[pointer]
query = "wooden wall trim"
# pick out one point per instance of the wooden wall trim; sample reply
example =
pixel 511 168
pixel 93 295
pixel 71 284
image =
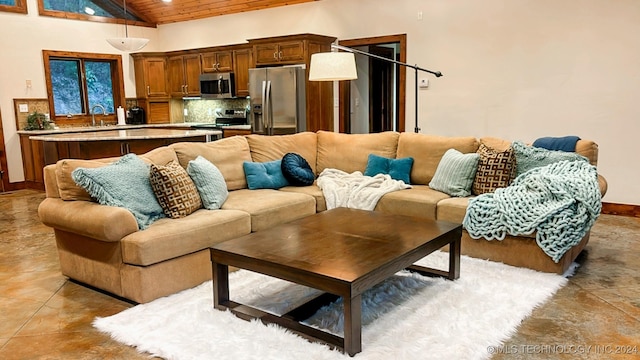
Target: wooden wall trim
pixel 621 209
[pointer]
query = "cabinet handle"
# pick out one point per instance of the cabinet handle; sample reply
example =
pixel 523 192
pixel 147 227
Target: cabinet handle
pixel 186 89
pixel 280 55
pixel 148 90
pixel 275 55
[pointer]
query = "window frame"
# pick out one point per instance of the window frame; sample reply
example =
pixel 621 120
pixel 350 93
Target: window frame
pixel 20 7
pixel 86 17
pixel 117 81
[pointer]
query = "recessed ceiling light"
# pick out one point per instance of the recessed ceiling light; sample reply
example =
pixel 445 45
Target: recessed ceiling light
pixel 89 10
pixel 167 1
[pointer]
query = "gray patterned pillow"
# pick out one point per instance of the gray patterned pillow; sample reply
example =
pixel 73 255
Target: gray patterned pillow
pixel 176 192
pixel 455 173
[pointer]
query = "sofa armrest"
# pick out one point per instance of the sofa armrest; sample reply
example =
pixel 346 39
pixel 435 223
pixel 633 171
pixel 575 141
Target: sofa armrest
pixel 101 222
pixel 602 182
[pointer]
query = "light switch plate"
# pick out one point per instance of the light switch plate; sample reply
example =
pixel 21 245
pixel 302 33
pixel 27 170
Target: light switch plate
pixel 24 108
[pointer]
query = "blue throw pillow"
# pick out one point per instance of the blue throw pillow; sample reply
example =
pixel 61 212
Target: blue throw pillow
pixel 124 183
pixel 398 169
pixel 297 170
pixel 209 182
pixel 266 175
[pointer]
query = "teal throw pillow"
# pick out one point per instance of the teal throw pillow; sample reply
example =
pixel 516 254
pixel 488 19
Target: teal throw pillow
pixel 455 173
pixel 209 182
pixel 531 157
pixel 124 183
pixel 266 175
pixel 398 169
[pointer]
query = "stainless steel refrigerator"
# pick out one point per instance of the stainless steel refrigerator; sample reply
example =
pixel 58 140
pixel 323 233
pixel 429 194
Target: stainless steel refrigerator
pixel 278 104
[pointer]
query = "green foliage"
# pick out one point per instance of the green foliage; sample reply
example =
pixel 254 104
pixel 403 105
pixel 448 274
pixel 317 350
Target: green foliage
pixel 37 121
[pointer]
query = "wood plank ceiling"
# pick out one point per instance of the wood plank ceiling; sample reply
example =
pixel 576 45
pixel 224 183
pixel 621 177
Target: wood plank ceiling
pixel 159 12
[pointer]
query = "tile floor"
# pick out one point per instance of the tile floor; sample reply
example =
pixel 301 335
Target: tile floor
pixel 45 316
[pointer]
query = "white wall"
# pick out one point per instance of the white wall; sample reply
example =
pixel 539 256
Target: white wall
pixel 517 69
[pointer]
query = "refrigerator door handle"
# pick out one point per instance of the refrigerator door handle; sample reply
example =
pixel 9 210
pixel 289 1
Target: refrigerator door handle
pixel 264 106
pixel 269 115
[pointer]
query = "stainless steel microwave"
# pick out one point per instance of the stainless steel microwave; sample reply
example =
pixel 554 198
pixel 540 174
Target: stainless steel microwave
pixel 217 86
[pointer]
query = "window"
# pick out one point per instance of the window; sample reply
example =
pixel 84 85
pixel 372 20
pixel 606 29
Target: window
pixel 17 6
pixel 78 82
pixel 96 10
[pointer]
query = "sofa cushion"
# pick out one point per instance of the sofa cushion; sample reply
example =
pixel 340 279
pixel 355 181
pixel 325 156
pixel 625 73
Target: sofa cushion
pixel 226 154
pixel 124 183
pixel 174 189
pixel 312 190
pixel 68 189
pixel 496 169
pixel 455 173
pixel 452 209
pixel 170 238
pixel 530 157
pixel 160 156
pixel 588 149
pixel 350 152
pixel 398 169
pixel 266 175
pixel 427 150
pixel 297 170
pixel 268 148
pixel 209 182
pixel 273 208
pixel 420 201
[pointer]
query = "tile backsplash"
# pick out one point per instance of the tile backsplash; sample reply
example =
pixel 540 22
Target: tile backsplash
pixel 204 111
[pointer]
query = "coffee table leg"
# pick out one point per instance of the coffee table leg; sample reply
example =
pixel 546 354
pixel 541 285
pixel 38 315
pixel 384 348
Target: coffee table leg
pixel 220 285
pixel 352 325
pixel 454 259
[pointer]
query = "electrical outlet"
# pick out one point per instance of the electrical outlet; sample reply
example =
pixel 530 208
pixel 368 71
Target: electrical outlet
pixel 419 15
pixel 24 108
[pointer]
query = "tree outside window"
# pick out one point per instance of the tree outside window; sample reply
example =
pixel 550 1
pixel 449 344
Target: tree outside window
pixel 17 6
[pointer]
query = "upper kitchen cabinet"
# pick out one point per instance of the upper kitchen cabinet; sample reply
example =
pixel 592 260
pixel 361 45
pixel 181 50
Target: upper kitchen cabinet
pixel 242 62
pixel 184 73
pixel 151 75
pixel 152 86
pixel 285 52
pixel 217 61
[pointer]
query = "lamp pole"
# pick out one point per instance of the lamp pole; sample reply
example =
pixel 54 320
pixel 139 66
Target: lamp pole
pixel 415 67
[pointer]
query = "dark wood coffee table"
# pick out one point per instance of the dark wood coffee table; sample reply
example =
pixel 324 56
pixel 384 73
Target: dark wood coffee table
pixel 342 252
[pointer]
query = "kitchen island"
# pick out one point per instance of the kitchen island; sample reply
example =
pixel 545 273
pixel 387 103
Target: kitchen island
pixel 46 147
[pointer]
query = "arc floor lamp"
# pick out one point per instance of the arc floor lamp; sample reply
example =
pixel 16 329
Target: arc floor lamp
pixel 336 66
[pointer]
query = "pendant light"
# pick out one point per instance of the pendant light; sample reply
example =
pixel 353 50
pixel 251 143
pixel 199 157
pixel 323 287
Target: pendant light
pixel 126 43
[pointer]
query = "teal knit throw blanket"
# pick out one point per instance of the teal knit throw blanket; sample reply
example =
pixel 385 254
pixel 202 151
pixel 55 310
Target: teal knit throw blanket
pixel 560 201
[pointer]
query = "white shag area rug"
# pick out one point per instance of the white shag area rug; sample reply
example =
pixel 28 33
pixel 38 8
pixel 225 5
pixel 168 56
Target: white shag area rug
pixel 406 317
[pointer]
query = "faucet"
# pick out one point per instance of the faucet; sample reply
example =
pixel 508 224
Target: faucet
pixel 93 114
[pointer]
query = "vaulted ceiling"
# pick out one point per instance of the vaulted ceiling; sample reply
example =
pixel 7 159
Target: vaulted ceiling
pixel 159 12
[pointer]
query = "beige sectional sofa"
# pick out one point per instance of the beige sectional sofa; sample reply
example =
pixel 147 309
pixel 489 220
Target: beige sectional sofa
pixel 102 246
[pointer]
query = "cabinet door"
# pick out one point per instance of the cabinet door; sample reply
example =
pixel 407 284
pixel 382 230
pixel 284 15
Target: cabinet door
pixel 158 112
pixel 225 61
pixel 192 74
pixel 291 51
pixel 266 54
pixel 209 62
pixel 242 62
pixel 176 76
pixel 155 77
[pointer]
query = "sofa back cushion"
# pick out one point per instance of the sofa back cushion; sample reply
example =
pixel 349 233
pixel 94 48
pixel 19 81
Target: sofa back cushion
pixel 427 150
pixel 350 152
pixel 160 156
pixel 269 148
pixel 226 154
pixel 588 149
pixel 67 187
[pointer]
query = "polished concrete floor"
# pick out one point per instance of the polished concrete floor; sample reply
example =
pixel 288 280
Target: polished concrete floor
pixel 45 316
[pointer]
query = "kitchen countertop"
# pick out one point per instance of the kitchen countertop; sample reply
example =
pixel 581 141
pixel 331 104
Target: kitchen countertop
pixel 120 133
pixel 65 130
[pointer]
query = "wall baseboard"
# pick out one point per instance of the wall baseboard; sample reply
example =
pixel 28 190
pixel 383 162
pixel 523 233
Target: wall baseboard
pixel 621 209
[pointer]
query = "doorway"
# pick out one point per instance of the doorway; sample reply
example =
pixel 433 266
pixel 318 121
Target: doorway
pixel 375 102
pixel 4 176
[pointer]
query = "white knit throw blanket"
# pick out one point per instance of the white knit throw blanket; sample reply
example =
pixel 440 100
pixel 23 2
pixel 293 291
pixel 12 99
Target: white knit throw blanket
pixel 560 201
pixel 356 191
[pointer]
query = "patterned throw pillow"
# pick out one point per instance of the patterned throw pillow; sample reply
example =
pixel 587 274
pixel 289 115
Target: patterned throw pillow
pixel 176 192
pixel 496 169
pixel 455 173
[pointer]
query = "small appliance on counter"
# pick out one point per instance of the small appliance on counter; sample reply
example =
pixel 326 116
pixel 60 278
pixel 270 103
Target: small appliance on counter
pixel 135 116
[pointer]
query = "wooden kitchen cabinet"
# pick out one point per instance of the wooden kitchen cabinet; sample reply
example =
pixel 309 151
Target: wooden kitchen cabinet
pixel 184 75
pixel 32 162
pixel 217 61
pixel 285 52
pixel 152 86
pixel 242 62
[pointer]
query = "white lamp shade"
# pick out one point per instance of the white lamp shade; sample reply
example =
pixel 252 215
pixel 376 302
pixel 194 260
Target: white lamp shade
pixel 332 66
pixel 127 43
